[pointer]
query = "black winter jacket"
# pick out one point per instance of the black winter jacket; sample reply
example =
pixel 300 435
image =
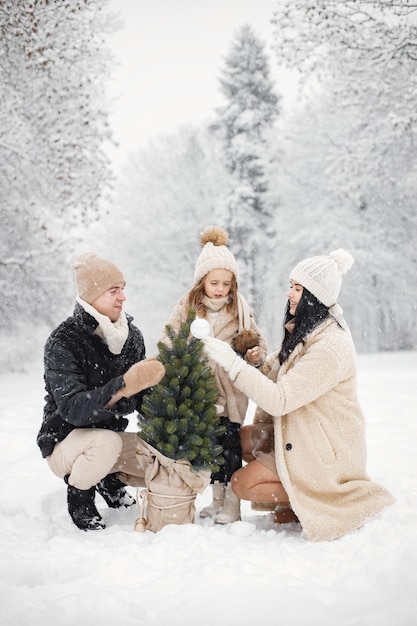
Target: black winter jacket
pixel 81 375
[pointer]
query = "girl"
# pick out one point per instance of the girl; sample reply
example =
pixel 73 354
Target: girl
pixel 215 297
pixel 315 469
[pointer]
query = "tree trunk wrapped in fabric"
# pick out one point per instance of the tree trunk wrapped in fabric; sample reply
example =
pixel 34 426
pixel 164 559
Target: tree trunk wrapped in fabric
pixel 171 490
pixel 178 425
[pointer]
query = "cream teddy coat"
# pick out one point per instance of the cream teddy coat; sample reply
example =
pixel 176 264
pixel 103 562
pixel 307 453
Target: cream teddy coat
pixel 226 327
pixel 320 448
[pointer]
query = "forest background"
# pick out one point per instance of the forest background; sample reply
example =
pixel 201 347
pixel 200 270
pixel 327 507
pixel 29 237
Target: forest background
pixel 335 169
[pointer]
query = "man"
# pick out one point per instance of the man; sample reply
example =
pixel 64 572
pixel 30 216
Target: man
pixel 95 375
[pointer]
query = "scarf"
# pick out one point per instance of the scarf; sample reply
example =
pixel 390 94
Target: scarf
pixel 215 305
pixel 243 311
pixel 114 334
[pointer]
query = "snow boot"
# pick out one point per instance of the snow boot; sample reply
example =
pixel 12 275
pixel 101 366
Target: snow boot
pixel 82 509
pixel 114 493
pixel 231 509
pixel 218 501
pixel 284 514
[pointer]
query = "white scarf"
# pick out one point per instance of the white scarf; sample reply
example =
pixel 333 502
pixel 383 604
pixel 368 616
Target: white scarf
pixel 215 304
pixel 243 311
pixel 114 334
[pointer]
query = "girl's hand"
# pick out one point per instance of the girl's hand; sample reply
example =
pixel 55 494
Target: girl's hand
pixel 253 356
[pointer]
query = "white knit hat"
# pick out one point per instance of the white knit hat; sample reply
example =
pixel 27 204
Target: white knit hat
pixel 215 255
pixel 95 275
pixel 322 275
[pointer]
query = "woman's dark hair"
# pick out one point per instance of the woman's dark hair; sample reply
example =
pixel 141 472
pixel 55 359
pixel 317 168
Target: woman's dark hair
pixel 310 313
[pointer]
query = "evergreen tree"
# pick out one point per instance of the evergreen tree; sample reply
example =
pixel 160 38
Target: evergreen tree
pixel 179 416
pixel 353 153
pixel 244 123
pixel 189 161
pixel 53 168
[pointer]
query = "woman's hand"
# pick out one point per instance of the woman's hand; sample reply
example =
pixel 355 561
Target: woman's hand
pixel 224 355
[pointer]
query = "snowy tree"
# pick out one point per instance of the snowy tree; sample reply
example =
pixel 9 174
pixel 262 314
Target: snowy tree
pixel 356 130
pixel 56 62
pixel 53 169
pixel 243 124
pixel 170 191
pixel 364 55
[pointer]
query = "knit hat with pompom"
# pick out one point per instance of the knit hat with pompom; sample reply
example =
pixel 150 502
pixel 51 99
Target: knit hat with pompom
pixel 215 254
pixel 322 275
pixel 95 275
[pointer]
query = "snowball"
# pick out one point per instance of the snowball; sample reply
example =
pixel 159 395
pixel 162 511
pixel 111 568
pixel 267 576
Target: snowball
pixel 200 328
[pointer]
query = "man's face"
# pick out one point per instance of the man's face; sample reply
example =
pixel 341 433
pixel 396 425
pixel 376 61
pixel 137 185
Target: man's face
pixel 111 302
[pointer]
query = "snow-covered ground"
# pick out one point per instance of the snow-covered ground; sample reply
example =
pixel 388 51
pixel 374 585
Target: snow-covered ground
pixel 250 572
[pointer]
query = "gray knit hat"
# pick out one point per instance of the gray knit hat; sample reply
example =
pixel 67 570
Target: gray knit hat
pixel 215 254
pixel 322 275
pixel 95 275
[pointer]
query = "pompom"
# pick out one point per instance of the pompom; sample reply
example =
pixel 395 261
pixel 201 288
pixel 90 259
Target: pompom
pixel 244 341
pixel 217 236
pixel 343 259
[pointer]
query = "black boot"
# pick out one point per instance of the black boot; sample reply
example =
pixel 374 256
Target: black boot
pixel 82 509
pixel 113 491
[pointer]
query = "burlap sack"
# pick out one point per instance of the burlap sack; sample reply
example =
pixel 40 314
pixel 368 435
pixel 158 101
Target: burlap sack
pixel 171 490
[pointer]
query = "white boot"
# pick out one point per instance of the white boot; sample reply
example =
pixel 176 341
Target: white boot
pixel 218 501
pixel 231 508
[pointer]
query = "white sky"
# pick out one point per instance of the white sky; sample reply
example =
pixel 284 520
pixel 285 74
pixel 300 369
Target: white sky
pixel 170 54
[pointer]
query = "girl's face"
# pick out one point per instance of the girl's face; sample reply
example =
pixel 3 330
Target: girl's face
pixel 294 296
pixel 217 283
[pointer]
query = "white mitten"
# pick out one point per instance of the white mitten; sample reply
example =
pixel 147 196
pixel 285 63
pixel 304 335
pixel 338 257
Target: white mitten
pixel 224 355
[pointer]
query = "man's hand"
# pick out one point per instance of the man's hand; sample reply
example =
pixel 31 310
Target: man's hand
pixel 224 355
pixel 142 375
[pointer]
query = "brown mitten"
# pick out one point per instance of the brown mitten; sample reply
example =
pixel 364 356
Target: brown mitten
pixel 244 341
pixel 142 375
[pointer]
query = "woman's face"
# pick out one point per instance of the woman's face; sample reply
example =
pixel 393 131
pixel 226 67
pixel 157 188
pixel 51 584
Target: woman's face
pixel 218 283
pixel 294 295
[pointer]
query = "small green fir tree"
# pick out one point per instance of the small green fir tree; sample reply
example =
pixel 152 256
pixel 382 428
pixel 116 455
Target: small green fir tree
pixel 179 416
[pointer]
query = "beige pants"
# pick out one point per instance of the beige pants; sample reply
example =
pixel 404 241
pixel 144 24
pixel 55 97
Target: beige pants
pixel 89 454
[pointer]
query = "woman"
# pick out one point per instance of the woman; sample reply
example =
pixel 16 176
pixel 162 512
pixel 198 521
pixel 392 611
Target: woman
pixel 307 394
